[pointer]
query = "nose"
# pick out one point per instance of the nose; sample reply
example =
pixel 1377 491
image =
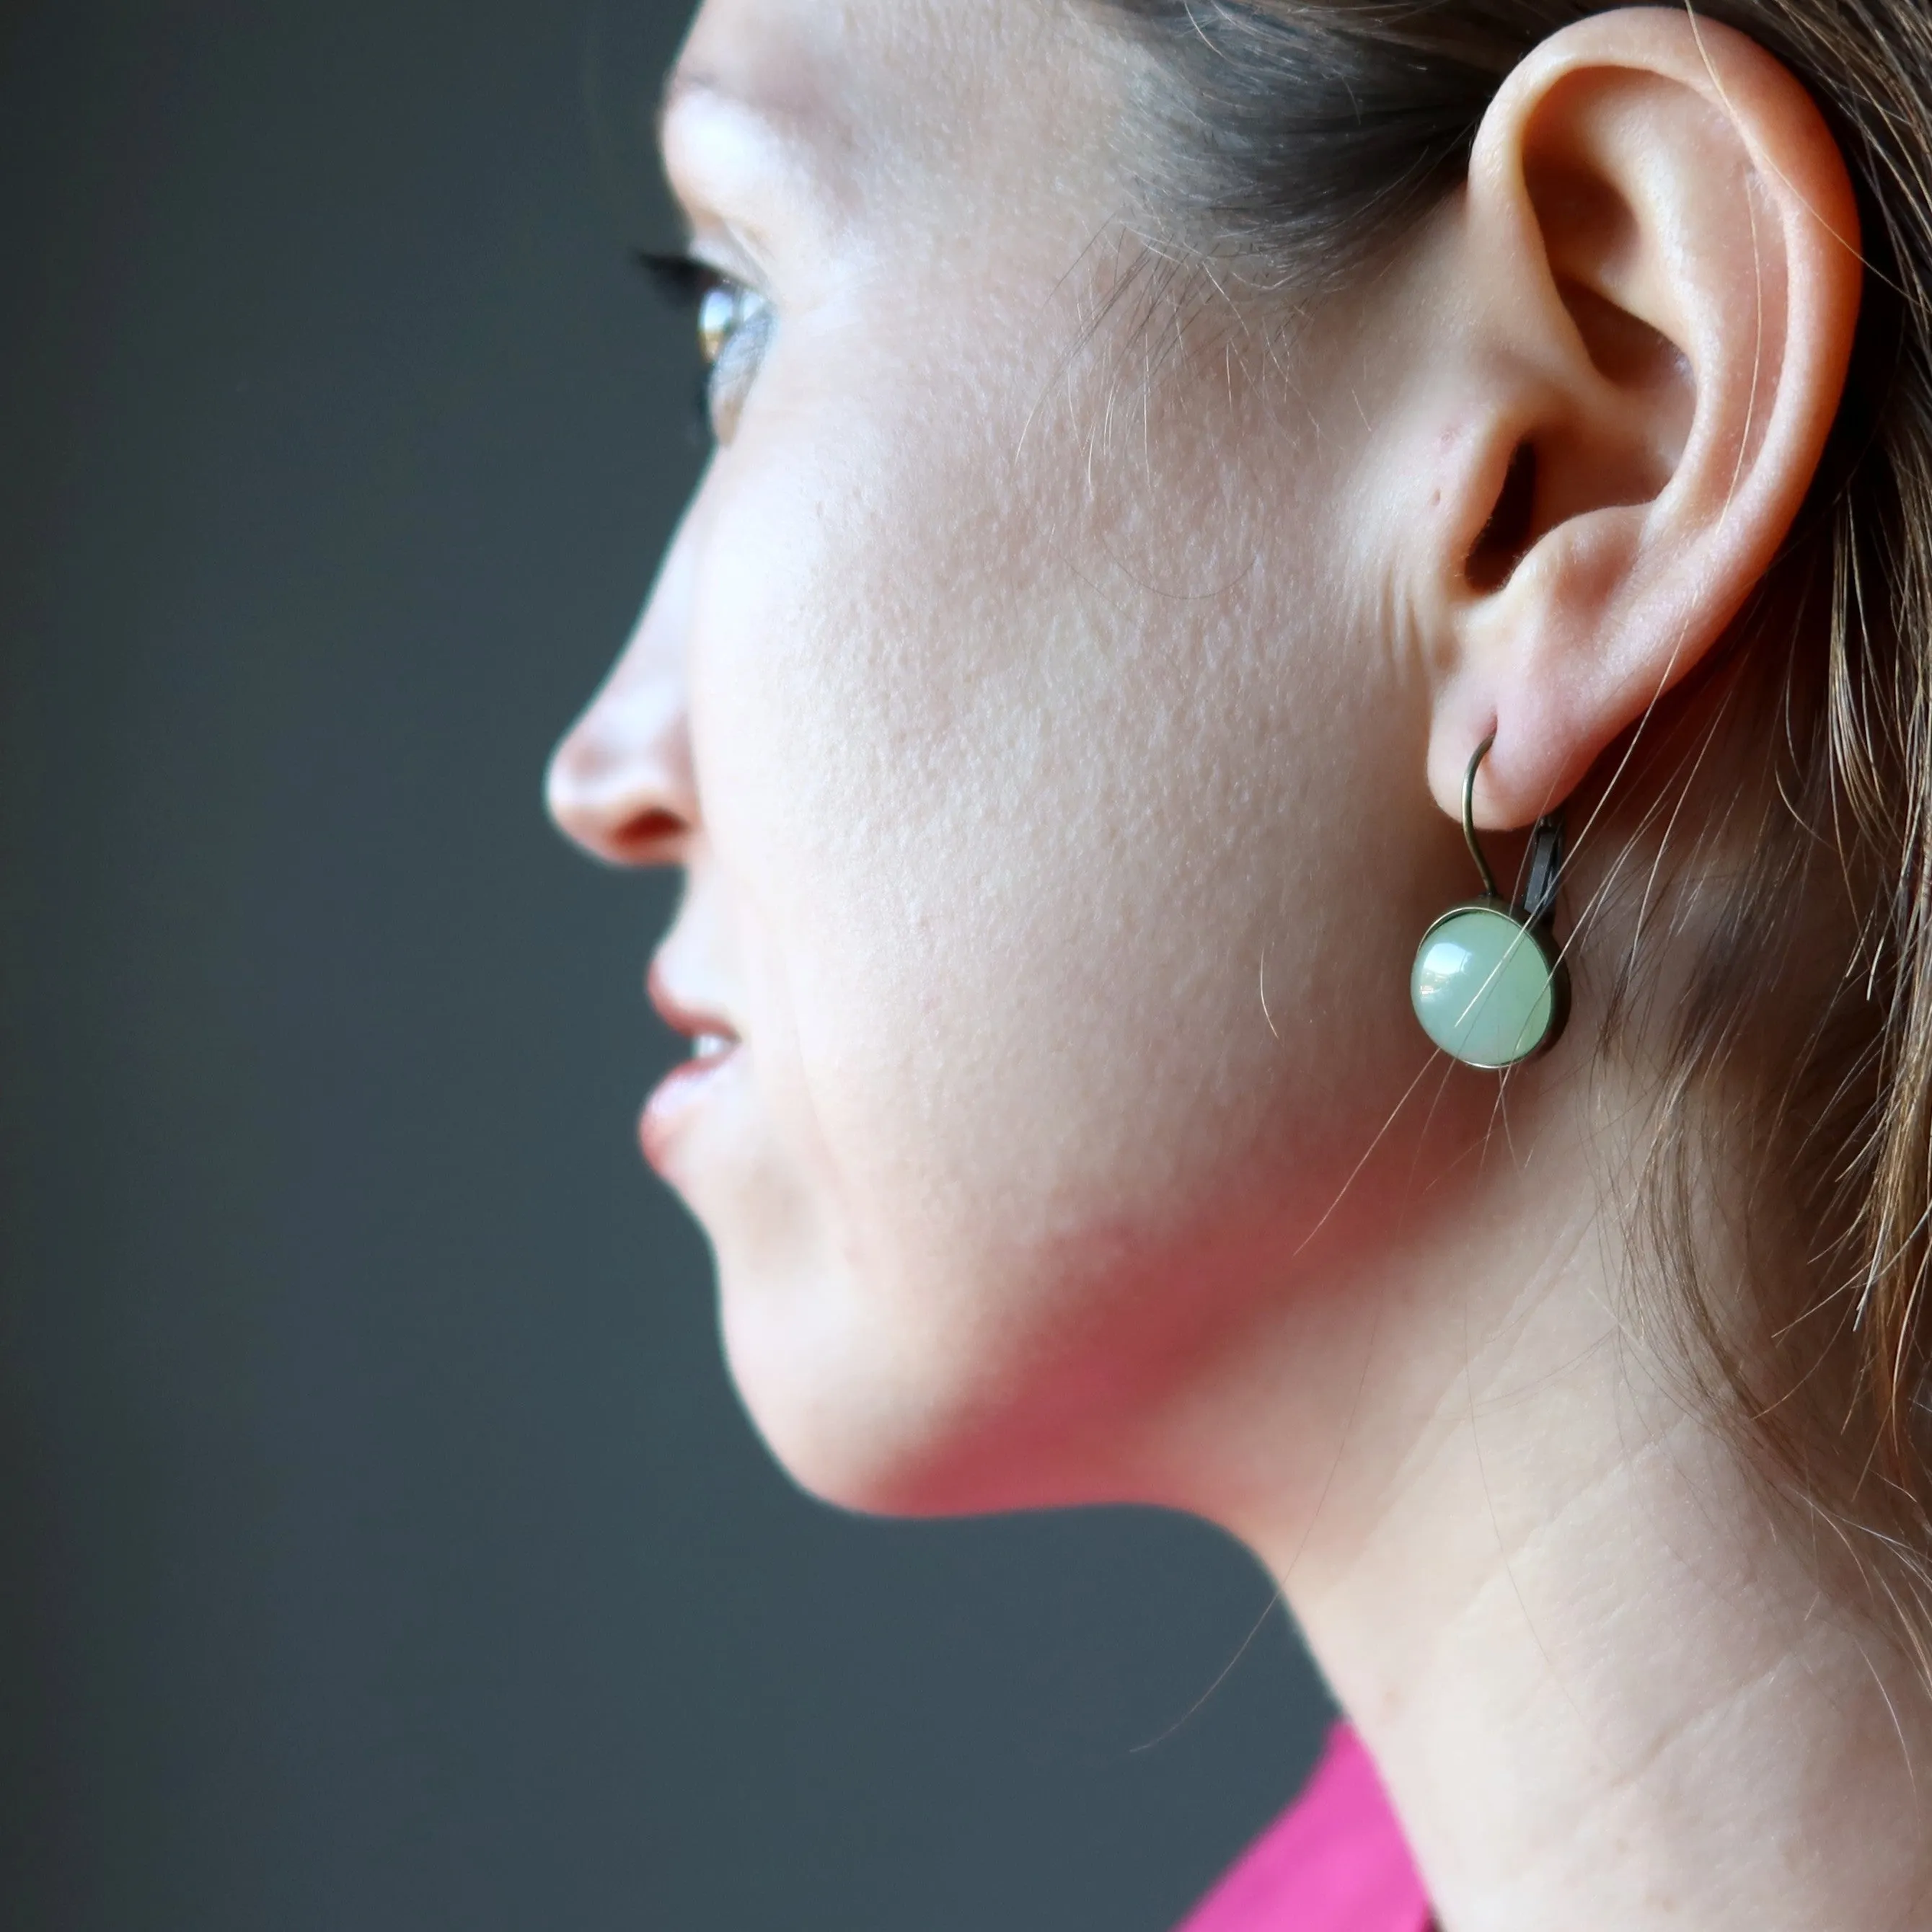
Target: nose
pixel 622 785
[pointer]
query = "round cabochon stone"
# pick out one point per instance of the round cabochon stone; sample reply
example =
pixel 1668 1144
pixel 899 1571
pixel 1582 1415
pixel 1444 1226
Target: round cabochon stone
pixel 1482 988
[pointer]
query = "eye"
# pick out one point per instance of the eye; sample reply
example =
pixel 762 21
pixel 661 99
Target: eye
pixel 734 325
pixel 721 312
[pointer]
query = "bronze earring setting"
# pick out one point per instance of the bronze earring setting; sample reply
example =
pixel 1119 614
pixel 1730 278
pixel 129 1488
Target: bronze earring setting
pixel 1489 985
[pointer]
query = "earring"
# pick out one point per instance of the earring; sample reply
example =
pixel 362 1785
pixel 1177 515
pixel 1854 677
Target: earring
pixel 1490 985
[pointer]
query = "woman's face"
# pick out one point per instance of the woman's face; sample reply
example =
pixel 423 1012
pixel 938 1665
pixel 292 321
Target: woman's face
pixel 1025 697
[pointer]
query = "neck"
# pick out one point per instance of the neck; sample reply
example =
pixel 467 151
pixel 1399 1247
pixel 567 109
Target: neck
pixel 1603 1686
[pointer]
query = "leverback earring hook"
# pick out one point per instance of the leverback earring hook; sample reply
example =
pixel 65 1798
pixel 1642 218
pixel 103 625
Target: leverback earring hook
pixel 1469 839
pixel 1489 985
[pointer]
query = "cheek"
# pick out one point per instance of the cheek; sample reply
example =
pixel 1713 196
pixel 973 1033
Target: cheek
pixel 1013 841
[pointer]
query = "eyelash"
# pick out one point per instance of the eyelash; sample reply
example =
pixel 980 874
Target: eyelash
pixel 725 311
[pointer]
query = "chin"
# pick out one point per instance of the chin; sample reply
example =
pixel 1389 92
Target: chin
pixel 849 1436
pixel 865 1423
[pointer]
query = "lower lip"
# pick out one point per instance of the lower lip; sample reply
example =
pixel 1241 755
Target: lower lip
pixel 672 1099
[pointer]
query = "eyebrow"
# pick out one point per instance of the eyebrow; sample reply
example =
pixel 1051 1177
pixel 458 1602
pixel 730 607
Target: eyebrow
pixel 800 139
pixel 688 83
pixel 680 84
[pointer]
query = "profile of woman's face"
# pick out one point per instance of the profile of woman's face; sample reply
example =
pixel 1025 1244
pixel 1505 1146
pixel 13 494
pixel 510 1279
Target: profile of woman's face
pixel 1026 700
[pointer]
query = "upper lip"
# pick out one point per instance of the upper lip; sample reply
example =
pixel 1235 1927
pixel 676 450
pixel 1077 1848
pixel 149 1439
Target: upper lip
pixel 682 1017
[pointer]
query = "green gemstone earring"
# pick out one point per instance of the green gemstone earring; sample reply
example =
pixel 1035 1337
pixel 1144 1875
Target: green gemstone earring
pixel 1490 985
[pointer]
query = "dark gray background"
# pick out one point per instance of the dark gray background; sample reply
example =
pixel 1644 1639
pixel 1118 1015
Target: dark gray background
pixel 384 1547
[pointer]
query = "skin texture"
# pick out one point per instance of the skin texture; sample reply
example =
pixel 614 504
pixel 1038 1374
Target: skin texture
pixel 1058 695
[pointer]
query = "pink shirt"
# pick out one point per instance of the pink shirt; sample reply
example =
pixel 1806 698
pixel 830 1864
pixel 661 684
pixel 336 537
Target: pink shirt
pixel 1334 1861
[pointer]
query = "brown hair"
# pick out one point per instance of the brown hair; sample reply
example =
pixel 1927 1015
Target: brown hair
pixel 1304 136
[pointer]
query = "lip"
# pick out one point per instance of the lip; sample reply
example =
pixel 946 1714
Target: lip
pixel 716 1048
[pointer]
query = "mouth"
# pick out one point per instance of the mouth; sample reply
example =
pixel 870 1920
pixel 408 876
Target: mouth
pixel 715 1046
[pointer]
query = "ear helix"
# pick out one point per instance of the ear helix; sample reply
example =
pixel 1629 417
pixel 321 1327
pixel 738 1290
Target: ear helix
pixel 1489 985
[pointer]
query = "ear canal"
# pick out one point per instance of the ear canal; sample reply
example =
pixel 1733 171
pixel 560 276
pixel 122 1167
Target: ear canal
pixel 1507 536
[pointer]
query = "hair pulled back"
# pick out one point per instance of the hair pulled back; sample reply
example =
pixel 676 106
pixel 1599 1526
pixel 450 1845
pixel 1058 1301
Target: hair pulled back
pixel 1305 136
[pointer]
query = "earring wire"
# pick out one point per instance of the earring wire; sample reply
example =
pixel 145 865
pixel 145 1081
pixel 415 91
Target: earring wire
pixel 1469 818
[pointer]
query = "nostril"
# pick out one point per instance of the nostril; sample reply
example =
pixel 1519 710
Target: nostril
pixel 620 830
pixel 646 834
pixel 620 785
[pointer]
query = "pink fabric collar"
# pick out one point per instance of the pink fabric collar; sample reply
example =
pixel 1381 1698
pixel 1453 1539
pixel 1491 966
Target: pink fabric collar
pixel 1334 1861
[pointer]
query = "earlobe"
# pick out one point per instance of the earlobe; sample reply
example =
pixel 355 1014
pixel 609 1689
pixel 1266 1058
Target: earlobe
pixel 1659 243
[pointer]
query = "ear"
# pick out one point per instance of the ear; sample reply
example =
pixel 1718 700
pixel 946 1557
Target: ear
pixel 1659 277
